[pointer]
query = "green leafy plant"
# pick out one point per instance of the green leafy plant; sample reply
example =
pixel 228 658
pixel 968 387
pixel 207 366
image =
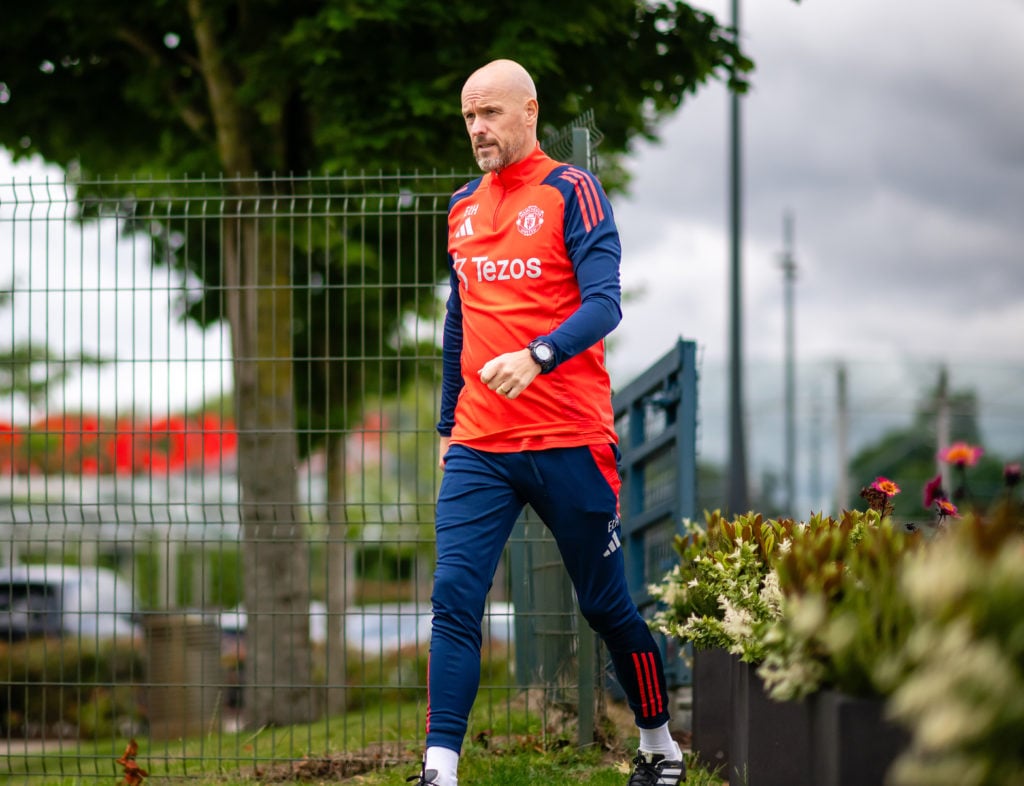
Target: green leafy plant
pixel 723 593
pixel 963 695
pixel 844 621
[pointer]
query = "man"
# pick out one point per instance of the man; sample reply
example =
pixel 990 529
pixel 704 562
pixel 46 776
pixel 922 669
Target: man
pixel 526 414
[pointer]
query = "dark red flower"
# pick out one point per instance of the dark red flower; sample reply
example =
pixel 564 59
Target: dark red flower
pixel 933 491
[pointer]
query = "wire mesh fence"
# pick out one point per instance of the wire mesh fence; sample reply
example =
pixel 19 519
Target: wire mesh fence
pixel 218 465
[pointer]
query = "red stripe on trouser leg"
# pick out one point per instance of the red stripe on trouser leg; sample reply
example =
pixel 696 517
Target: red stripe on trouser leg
pixel 427 729
pixel 644 701
pixel 654 686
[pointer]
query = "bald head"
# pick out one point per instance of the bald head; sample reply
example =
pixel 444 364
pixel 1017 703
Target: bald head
pixel 499 105
pixel 505 75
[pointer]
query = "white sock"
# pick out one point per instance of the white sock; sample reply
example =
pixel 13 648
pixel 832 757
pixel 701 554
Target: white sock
pixel 446 762
pixel 660 741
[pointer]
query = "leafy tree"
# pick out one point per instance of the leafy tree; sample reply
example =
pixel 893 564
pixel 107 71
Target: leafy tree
pixel 206 86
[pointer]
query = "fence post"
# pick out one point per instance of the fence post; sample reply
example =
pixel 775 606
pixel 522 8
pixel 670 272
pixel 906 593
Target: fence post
pixel 587 686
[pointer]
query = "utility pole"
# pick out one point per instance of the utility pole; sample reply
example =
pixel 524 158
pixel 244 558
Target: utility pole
pixel 842 441
pixel 814 455
pixel 788 264
pixel 942 429
pixel 736 485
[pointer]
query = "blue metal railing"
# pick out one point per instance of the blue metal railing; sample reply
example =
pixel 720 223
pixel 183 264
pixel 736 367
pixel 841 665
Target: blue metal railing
pixel 656 418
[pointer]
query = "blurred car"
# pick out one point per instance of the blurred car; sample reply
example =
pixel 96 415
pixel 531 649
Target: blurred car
pixel 90 603
pixel 380 627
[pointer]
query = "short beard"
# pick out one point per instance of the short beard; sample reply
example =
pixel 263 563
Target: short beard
pixel 491 164
pixel 506 156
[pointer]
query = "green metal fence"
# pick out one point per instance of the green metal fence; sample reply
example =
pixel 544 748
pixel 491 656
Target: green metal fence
pixel 217 475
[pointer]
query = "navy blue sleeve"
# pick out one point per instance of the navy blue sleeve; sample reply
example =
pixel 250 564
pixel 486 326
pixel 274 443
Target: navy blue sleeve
pixel 592 243
pixel 451 360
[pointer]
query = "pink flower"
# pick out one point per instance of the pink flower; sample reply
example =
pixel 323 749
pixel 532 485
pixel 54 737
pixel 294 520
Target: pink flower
pixel 933 491
pixel 946 508
pixel 886 486
pixel 961 454
pixel 1011 474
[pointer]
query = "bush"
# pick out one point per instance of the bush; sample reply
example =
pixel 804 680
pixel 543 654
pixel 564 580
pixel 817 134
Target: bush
pixel 963 696
pixel 55 688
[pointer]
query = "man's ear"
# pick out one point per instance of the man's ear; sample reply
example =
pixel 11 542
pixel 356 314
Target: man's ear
pixel 532 111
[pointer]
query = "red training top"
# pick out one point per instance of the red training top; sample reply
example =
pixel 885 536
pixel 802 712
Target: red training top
pixel 534 252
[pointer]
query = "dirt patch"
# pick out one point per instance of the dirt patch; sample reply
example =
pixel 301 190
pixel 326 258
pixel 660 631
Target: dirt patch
pixel 334 768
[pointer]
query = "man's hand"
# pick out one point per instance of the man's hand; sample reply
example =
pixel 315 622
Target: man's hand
pixel 510 374
pixel 442 449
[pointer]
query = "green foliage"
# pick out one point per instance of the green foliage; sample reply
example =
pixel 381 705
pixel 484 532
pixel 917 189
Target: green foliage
pixel 811 603
pixel 844 622
pixel 720 594
pixel 55 684
pixel 963 698
pixel 867 607
pixel 332 85
pixel 224 564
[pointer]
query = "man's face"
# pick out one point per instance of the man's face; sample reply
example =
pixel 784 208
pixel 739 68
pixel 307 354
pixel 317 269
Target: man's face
pixel 498 124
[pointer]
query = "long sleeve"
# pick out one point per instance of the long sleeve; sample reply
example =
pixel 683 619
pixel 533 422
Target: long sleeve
pixel 451 361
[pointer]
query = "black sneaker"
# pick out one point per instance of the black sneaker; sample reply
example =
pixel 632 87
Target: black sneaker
pixel 425 778
pixel 653 769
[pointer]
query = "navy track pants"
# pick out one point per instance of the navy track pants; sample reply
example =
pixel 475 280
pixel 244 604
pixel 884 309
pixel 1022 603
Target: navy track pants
pixel 575 492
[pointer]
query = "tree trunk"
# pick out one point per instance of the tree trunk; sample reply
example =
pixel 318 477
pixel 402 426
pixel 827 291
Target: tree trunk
pixel 274 551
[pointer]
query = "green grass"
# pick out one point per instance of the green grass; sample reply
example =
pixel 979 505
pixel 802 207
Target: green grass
pixel 379 746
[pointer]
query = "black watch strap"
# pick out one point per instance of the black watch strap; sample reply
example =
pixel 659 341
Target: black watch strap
pixel 543 355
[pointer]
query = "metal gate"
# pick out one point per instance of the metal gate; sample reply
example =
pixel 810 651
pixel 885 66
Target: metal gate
pixel 656 419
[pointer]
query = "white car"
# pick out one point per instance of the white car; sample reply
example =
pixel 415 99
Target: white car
pixel 383 627
pixel 90 603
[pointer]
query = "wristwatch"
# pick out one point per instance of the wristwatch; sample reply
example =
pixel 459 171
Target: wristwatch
pixel 543 355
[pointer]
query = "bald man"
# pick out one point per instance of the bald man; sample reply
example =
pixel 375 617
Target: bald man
pixel 526 415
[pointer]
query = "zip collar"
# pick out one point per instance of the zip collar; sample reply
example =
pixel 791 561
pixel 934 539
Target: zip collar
pixel 525 170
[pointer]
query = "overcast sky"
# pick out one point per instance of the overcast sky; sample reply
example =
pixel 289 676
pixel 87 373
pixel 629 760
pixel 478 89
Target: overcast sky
pixel 893 130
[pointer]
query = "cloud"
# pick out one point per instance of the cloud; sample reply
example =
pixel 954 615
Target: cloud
pixel 891 133
pixel 894 134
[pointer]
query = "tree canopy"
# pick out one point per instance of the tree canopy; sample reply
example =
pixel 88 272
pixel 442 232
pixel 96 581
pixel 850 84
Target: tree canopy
pixel 118 87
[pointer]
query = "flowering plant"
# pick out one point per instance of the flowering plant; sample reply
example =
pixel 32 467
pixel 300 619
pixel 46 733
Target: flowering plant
pixel 810 603
pixel 722 593
pixel 843 623
pixel 963 694
pixel 824 602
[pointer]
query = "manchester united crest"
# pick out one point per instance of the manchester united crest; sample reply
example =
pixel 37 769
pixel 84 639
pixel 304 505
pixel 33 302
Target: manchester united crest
pixel 530 220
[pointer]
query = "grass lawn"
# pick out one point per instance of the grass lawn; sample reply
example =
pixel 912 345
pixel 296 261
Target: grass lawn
pixel 340 750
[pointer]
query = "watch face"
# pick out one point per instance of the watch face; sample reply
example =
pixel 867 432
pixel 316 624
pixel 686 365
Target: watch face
pixel 543 352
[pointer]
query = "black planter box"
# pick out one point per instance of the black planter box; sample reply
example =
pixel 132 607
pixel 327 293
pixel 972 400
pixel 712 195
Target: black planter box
pixel 712 708
pixel 853 743
pixel 770 743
